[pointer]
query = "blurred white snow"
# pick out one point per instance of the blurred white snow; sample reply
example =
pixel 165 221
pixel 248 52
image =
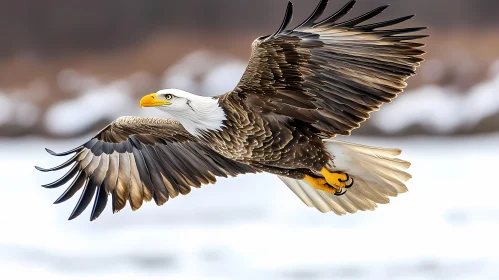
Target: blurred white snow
pixel 435 108
pixel 202 72
pixel 440 109
pixel 205 73
pixel 17 106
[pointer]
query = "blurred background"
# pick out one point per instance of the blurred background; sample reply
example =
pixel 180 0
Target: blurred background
pixel 67 68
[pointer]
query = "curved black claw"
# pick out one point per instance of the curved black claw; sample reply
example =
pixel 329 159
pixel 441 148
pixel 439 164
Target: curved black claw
pixel 340 193
pixel 350 185
pixel 346 180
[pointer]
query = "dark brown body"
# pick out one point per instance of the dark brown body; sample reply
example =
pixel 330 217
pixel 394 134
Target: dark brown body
pixel 267 142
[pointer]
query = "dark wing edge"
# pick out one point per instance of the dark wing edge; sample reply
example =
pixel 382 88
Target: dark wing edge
pixel 138 159
pixel 331 73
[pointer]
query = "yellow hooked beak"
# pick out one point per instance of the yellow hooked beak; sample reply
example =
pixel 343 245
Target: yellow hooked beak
pixel 151 100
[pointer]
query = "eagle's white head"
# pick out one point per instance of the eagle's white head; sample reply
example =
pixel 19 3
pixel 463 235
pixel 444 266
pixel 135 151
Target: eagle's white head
pixel 195 113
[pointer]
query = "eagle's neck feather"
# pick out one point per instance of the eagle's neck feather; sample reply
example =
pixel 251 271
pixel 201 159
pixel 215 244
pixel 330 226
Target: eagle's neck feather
pixel 203 114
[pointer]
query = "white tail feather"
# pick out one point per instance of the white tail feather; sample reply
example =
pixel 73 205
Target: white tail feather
pixel 378 175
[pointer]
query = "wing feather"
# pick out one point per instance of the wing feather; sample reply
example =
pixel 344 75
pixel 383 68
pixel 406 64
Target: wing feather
pixel 287 19
pixel 64 179
pixel 369 27
pixel 137 192
pixel 160 192
pixel 367 16
pixel 75 186
pixel 314 16
pixel 85 198
pixel 138 159
pixel 113 171
pixel 100 202
pixel 144 176
pixel 338 15
pixel 167 179
pixel 331 74
pixel 98 178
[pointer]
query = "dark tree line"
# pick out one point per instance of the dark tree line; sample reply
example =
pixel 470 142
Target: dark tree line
pixel 51 26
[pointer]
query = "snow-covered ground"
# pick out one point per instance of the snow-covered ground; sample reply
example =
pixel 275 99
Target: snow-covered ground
pixel 440 109
pixel 253 227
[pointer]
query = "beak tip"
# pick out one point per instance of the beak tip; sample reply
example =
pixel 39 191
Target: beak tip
pixel 149 101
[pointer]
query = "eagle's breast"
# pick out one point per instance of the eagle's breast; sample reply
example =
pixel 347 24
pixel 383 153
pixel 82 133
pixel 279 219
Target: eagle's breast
pixel 264 139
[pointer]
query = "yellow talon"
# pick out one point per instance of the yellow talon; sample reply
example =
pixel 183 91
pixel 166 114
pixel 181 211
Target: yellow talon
pixel 333 182
pixel 336 180
pixel 319 183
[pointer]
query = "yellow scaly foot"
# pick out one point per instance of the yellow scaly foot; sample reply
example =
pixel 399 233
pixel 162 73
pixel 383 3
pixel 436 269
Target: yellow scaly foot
pixel 321 184
pixel 318 183
pixel 337 180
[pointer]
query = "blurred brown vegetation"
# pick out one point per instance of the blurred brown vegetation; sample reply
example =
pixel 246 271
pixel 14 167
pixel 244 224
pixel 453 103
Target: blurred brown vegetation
pixel 110 37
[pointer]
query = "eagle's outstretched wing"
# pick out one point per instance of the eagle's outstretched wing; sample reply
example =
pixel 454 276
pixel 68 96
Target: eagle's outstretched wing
pixel 330 74
pixel 139 159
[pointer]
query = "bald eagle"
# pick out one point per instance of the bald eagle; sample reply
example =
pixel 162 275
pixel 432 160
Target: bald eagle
pixel 301 88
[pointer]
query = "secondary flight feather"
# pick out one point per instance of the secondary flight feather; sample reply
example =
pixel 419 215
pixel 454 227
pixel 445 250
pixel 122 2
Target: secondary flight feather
pixel 301 88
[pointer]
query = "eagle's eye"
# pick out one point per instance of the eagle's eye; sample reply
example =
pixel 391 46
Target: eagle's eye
pixel 168 96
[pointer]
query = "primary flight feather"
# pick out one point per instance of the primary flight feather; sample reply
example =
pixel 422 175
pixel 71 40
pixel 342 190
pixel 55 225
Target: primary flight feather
pixel 301 88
